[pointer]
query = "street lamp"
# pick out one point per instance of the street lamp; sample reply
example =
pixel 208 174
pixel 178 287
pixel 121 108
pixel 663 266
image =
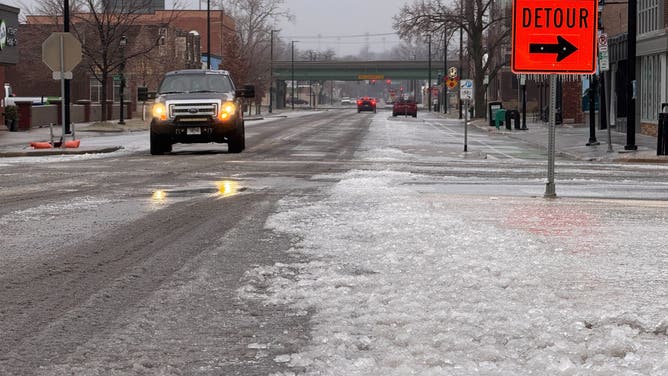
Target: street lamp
pixel 445 68
pixel 271 72
pixel 429 74
pixel 122 43
pixel 293 74
pixel 208 34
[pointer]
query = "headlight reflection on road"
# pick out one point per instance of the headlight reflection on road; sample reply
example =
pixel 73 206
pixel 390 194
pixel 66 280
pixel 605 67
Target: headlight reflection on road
pixel 227 188
pixel 159 197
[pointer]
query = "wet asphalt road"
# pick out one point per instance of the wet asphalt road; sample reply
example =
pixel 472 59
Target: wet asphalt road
pixel 131 264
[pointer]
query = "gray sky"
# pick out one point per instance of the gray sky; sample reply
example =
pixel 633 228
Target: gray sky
pixel 342 24
pixel 342 18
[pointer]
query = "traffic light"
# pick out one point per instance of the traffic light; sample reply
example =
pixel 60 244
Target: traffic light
pixel 373 82
pixel 389 82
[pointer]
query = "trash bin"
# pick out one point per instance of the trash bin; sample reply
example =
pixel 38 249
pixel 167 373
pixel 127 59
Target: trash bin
pixel 662 135
pixel 500 117
pixel 493 107
pixel 512 115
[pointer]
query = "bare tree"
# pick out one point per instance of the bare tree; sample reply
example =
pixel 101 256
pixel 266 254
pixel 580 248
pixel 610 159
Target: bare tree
pixel 101 25
pixel 486 29
pixel 247 55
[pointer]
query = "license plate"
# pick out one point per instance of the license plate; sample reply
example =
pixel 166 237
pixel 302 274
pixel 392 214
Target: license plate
pixel 193 131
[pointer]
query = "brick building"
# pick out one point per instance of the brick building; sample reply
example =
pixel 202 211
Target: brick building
pixel 180 45
pixel 651 63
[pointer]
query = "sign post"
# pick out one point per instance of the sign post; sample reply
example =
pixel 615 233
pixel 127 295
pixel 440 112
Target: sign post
pixel 61 52
pixel 466 94
pixel 554 37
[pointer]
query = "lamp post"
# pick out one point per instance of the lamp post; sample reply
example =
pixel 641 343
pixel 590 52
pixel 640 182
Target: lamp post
pixel 122 43
pixel 292 99
pixel 208 34
pixel 445 69
pixel 429 68
pixel 271 73
pixel 631 76
pixel 461 50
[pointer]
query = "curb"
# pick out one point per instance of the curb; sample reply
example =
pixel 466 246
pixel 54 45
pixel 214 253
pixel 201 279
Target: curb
pixel 51 152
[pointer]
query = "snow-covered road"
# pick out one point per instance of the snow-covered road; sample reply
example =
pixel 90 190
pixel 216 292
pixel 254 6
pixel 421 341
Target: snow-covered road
pixel 406 281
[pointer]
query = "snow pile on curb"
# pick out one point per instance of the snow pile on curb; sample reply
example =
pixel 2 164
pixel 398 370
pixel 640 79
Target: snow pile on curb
pixel 406 284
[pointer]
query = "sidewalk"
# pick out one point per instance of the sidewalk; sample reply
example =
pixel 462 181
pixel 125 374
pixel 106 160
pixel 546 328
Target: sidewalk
pixel 17 144
pixel 572 139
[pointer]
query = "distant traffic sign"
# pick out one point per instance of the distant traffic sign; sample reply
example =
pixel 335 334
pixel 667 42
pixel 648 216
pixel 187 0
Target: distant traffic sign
pixel 554 36
pixel 466 90
pixel 370 77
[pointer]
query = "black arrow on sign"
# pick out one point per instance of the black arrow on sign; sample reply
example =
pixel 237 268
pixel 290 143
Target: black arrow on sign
pixel 563 48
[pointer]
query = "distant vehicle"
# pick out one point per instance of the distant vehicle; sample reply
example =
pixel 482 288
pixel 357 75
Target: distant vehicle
pixel 198 106
pixel 366 104
pixel 346 100
pixel 404 107
pixel 296 101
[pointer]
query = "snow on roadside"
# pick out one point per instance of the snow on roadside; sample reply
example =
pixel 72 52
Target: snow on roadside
pixel 406 284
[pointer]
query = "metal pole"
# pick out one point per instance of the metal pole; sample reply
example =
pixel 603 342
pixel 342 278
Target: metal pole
pixel 66 84
pixel 461 50
pixel 445 69
pixel 592 111
pixel 604 98
pixel 550 191
pixel 271 73
pixel 466 129
pixel 292 100
pixel 524 105
pixel 631 73
pixel 121 121
pixel 62 86
pixel 208 34
pixel 429 68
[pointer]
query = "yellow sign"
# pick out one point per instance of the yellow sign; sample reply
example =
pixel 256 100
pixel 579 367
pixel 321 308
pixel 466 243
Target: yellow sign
pixel 370 77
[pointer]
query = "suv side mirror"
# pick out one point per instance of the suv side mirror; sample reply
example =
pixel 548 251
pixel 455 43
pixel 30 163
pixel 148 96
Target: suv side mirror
pixel 247 92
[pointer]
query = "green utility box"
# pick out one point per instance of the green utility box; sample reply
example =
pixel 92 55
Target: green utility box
pixel 499 117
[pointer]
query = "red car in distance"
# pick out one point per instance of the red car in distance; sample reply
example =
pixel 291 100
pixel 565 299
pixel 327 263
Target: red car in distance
pixel 366 104
pixel 405 107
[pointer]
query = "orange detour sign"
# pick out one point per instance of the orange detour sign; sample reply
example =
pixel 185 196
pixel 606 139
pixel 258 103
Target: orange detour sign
pixel 554 36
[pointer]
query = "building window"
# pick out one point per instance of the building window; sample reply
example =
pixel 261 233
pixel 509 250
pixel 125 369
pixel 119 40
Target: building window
pixel 95 89
pixel 648 16
pixel 650 82
pixel 117 91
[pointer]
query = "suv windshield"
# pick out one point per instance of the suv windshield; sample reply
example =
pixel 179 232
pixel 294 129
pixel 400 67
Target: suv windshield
pixel 196 83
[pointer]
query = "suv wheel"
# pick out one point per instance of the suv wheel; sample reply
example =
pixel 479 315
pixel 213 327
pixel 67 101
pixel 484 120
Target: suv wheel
pixel 160 145
pixel 237 142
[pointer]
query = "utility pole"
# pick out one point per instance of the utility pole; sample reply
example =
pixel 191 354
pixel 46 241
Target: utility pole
pixel 631 73
pixel 292 100
pixel 271 73
pixel 592 111
pixel 445 68
pixel 461 50
pixel 208 34
pixel 429 68
pixel 66 83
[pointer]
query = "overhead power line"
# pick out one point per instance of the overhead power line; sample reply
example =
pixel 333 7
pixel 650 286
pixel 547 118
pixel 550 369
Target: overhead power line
pixel 337 36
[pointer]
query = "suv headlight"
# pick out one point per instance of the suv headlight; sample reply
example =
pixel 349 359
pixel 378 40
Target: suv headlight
pixel 160 111
pixel 227 110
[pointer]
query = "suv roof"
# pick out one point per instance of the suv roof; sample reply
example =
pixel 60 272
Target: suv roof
pixel 197 71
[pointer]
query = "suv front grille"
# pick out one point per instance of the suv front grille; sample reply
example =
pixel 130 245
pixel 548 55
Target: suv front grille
pixel 193 109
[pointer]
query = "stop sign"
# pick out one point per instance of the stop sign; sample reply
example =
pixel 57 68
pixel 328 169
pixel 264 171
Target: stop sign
pixel 71 52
